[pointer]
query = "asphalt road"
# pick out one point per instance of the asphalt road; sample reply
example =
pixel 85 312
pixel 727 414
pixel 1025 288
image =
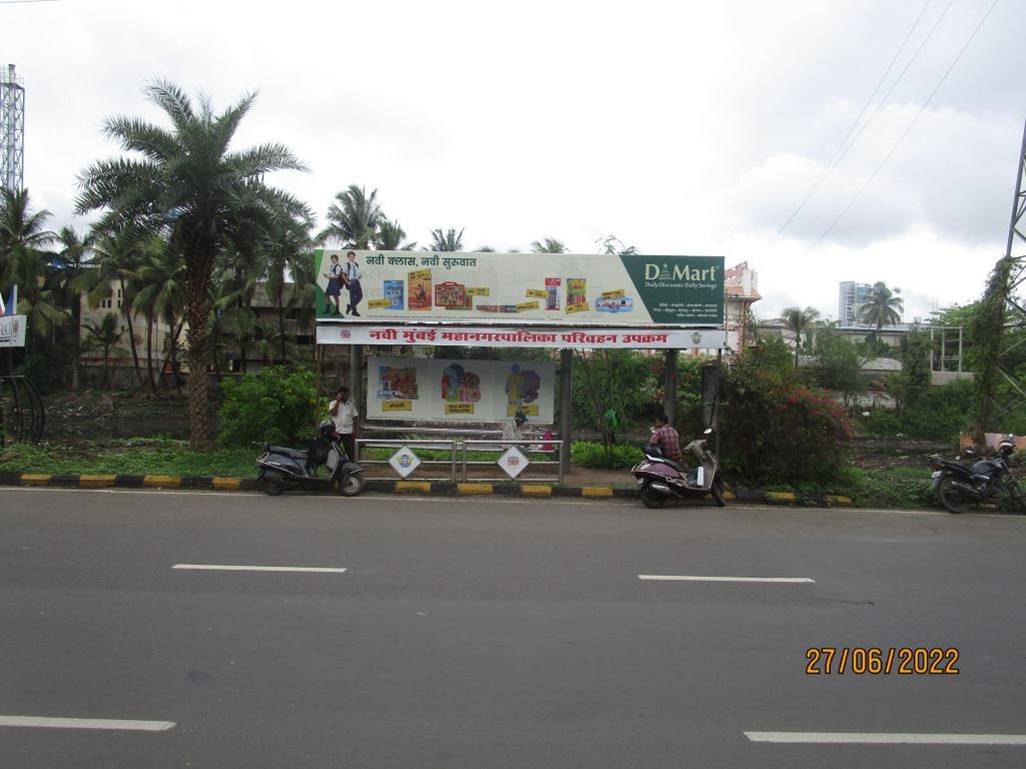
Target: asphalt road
pixel 497 633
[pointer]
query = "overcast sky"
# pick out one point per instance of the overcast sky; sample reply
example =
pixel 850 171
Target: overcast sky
pixel 680 127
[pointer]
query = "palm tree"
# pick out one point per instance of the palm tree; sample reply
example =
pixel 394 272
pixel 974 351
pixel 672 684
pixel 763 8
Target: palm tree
pixel 354 222
pixel 549 246
pixel 798 321
pixel 390 237
pixel 484 250
pixel 286 250
pixel 160 296
pixel 449 240
pixel 103 336
pixel 882 308
pixel 185 182
pixel 116 256
pixel 21 231
pixel 69 263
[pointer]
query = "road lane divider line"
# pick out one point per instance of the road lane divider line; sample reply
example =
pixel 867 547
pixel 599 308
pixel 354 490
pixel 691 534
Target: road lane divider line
pixel 695 578
pixel 107 724
pixel 227 567
pixel 884 738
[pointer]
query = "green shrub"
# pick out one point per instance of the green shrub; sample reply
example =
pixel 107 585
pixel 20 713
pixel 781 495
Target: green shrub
pixel 594 454
pixel 775 429
pixel 277 405
pixel 940 413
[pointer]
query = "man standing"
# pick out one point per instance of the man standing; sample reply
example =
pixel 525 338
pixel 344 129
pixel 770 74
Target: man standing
pixel 352 277
pixel 666 438
pixel 344 415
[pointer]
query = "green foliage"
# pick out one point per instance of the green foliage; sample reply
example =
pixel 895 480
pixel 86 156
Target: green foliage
pixel 941 413
pixel 594 454
pixel 915 366
pixel 838 365
pixel 775 429
pixel 882 308
pixel 622 380
pixel 43 361
pixel 136 456
pixel 277 405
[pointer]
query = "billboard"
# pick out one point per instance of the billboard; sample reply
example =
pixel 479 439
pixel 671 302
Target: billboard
pixel 460 390
pixel 519 289
pixel 531 336
pixel 12 330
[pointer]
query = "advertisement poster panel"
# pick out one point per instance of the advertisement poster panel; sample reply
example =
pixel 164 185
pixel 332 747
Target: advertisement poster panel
pixel 519 289
pixel 460 390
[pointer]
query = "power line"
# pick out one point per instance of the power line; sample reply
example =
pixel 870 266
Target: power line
pixel 830 164
pixel 905 133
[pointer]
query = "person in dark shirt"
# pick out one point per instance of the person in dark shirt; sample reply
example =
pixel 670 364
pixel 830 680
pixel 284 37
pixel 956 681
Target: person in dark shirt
pixel 666 438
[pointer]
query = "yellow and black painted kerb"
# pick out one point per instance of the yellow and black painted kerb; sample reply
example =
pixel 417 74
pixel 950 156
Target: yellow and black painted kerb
pixel 429 488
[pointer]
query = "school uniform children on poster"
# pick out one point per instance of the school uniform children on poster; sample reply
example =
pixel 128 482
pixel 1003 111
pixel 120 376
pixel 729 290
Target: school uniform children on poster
pixel 351 275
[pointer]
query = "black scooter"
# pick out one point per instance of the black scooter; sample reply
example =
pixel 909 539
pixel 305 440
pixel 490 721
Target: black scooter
pixel 959 484
pixel 282 468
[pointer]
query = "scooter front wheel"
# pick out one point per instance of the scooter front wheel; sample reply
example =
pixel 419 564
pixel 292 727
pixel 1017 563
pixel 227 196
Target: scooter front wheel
pixel 717 493
pixel 652 498
pixel 351 485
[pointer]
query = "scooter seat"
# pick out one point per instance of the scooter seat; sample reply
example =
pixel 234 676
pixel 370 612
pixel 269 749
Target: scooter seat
pixel 294 453
pixel 667 461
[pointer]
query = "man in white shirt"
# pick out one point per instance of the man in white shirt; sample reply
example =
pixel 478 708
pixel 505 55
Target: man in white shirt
pixel 514 431
pixel 344 415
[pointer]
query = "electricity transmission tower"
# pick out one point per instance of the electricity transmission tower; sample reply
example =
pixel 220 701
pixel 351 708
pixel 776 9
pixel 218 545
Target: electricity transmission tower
pixel 1002 310
pixel 12 130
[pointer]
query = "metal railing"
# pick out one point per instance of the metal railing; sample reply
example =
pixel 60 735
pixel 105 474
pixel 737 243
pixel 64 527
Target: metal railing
pixel 397 443
pixel 463 447
pixel 527 446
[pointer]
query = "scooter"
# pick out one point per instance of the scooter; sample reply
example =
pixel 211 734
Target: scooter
pixel 282 468
pixel 660 478
pixel 958 484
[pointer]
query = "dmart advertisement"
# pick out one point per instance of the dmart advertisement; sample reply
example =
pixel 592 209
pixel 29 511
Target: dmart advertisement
pixel 519 289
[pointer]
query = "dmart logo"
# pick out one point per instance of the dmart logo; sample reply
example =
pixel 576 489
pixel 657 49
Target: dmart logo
pixel 678 272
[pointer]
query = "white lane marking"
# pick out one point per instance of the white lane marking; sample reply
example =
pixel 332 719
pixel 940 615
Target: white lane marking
pixel 686 578
pixel 118 725
pixel 224 567
pixel 885 738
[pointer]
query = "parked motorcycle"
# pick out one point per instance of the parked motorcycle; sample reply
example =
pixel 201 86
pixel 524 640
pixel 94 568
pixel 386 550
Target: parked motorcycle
pixel 660 478
pixel 960 483
pixel 282 468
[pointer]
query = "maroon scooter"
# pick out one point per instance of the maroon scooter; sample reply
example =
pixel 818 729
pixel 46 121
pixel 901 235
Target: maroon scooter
pixel 660 478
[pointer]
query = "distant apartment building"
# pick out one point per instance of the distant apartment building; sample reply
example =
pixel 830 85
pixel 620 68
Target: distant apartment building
pixel 849 296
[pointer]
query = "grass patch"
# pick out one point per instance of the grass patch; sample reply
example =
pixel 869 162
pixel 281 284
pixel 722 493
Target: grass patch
pixel 893 487
pixel 133 456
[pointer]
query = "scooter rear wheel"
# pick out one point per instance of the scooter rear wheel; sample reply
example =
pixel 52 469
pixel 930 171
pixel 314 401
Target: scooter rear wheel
pixel 652 498
pixel 953 500
pixel 272 484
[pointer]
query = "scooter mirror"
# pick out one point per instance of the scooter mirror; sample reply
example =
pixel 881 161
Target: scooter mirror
pixel 708 431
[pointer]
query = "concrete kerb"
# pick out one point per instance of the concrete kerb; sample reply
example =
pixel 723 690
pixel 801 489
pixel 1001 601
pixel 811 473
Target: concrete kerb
pixel 429 488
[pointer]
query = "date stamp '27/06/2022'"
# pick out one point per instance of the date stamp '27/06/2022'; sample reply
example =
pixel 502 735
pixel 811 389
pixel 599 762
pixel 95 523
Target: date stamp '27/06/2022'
pixel 874 660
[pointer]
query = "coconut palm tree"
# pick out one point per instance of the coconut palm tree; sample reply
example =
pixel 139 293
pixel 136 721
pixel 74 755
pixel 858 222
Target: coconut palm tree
pixel 68 263
pixel 390 237
pixel 549 246
pixel 185 181
pixel 160 296
pixel 285 249
pixel 116 256
pixel 103 336
pixel 883 307
pixel 798 321
pixel 354 220
pixel 22 231
pixel 450 240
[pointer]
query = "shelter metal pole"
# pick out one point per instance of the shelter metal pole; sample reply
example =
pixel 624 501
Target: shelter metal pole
pixel 670 386
pixel 959 349
pixel 566 362
pixel 356 384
